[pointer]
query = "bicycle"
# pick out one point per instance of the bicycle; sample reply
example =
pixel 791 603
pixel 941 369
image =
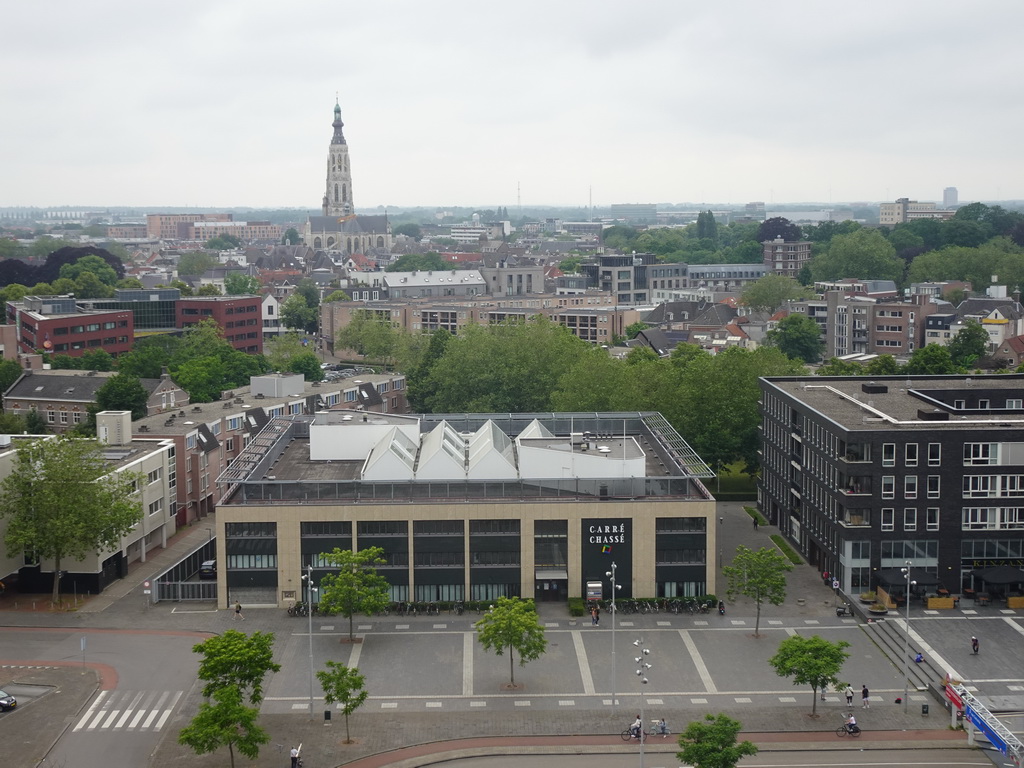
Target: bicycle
pixel 656 730
pixel 628 735
pixel 844 729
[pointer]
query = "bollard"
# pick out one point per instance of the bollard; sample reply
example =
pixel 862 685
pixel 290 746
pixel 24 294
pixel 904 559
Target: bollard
pixel 924 710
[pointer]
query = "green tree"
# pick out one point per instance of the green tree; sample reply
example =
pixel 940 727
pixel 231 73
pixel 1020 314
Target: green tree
pixel 336 296
pixel 309 291
pixel 772 291
pixel 356 587
pixel 836 367
pixel 811 661
pixel 409 230
pixel 296 313
pixel 930 360
pixel 92 263
pixel 707 227
pixel 969 344
pixel 227 722
pixel 286 352
pixel 883 365
pixel 62 500
pixel 96 360
pixel 864 253
pixel 123 392
pixel 512 624
pixel 10 372
pixel 185 288
pixel 240 284
pixel 130 284
pixel 195 263
pixel 419 262
pixel 711 743
pixel 35 424
pixel 369 334
pixel 202 377
pixel 12 424
pixel 419 389
pixel 634 328
pixel 770 229
pixel 223 242
pixel 343 685
pixel 291 237
pixel 149 355
pixel 89 286
pixel 571 265
pixel 234 659
pixel 307 364
pixel 208 289
pixel 799 337
pixel 502 368
pixel 760 575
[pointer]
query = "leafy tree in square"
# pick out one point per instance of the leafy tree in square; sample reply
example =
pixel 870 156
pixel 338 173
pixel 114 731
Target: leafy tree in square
pixel 811 661
pixel 345 686
pixel 226 722
pixel 798 337
pixel 512 624
pixel 760 575
pixel 236 660
pixel 355 587
pixel 711 743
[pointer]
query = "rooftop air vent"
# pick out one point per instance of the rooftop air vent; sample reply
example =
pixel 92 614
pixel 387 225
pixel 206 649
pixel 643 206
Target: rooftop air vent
pixel 933 415
pixel 874 389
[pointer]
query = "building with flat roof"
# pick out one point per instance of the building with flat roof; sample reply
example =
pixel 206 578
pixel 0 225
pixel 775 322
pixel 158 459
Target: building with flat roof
pixel 57 324
pixel 468 506
pixel 903 210
pixel 864 475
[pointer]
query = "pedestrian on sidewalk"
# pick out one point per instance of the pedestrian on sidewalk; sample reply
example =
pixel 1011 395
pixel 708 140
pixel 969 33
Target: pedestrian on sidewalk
pixel 865 698
pixel 755 522
pixel 595 616
pixel 238 612
pixel 849 695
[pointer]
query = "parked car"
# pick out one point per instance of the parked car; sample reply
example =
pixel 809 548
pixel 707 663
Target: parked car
pixel 7 702
pixel 208 569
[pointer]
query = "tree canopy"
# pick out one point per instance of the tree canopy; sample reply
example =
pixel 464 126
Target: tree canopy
pixel 195 263
pixel 811 661
pixel 771 229
pixel 63 500
pixel 711 743
pixel 773 291
pixel 344 686
pixel 355 587
pixel 798 337
pixel 512 624
pixel 235 659
pixel 864 253
pixel 225 722
pixel 123 392
pixel 760 575
pixel 239 284
pixel 420 262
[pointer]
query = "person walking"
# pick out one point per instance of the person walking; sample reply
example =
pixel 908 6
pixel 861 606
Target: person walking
pixel 974 645
pixel 295 757
pixel 238 612
pixel 755 523
pixel 849 695
pixel 595 616
pixel 865 698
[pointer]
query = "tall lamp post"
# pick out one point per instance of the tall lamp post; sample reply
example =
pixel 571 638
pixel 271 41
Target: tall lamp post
pixel 308 578
pixel 641 672
pixel 906 639
pixel 615 588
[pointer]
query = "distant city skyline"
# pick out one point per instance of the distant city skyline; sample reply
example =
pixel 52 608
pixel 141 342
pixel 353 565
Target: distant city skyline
pixel 225 103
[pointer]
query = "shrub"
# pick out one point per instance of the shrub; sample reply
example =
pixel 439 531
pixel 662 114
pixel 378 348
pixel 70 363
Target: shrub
pixel 786 550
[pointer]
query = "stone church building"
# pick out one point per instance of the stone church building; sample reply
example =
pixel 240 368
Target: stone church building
pixel 338 228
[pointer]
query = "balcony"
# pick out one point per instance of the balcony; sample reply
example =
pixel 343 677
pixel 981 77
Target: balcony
pixel 856 518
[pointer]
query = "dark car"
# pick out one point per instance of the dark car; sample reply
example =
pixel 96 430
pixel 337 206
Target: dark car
pixel 7 702
pixel 208 570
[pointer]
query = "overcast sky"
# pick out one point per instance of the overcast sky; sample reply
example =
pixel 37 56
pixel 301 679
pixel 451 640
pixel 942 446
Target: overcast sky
pixel 229 103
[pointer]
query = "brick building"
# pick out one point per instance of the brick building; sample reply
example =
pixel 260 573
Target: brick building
pixel 57 324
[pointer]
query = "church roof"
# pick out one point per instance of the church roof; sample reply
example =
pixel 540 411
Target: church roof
pixel 349 225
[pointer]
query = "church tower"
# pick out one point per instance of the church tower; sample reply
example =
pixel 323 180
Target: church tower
pixel 338 197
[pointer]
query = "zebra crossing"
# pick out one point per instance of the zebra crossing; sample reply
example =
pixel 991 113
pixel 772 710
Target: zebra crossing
pixel 128 711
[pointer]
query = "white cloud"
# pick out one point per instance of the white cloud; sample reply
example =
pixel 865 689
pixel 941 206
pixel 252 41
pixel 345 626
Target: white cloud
pixel 229 102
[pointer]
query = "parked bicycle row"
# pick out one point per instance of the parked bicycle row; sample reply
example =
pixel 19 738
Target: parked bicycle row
pixel 457 607
pixel 704 604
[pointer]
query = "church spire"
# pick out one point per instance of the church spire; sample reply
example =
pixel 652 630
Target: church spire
pixel 338 196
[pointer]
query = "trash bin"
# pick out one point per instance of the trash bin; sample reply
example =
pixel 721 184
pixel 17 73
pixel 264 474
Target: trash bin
pixel 327 715
pixel 924 710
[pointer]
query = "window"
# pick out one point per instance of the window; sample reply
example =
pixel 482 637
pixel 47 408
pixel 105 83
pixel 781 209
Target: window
pixel 190 441
pixel 934 486
pixel 888 454
pixel 1014 403
pixel 888 519
pixel 295 408
pixel 910 519
pixel 156 506
pixel 910 487
pixel 910 455
pixel 63 417
pixel 229 446
pixel 888 486
pixel 934 454
pixel 932 518
pixel 235 422
pixel 981 453
pixel 155 475
pixel 252 561
pixel 51 416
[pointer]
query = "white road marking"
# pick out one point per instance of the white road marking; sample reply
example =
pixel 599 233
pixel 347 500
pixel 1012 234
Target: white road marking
pixel 698 662
pixel 467 663
pixel 584 664
pixel 354 654
pixel 90 710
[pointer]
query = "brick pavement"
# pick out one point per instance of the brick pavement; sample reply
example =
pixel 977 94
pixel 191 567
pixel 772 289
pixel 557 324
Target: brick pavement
pixel 381 733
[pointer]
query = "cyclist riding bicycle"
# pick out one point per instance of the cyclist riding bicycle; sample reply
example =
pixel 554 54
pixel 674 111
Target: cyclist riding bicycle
pixel 851 724
pixel 637 727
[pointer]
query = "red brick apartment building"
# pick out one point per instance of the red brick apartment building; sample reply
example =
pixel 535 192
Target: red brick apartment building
pixel 240 317
pixel 57 325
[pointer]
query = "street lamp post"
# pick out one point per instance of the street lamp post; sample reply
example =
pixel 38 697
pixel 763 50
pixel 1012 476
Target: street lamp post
pixel 906 639
pixel 615 587
pixel 308 578
pixel 641 672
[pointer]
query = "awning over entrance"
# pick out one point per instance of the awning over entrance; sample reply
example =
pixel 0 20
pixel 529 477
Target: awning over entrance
pixel 551 574
pixel 894 577
pixel 1001 574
